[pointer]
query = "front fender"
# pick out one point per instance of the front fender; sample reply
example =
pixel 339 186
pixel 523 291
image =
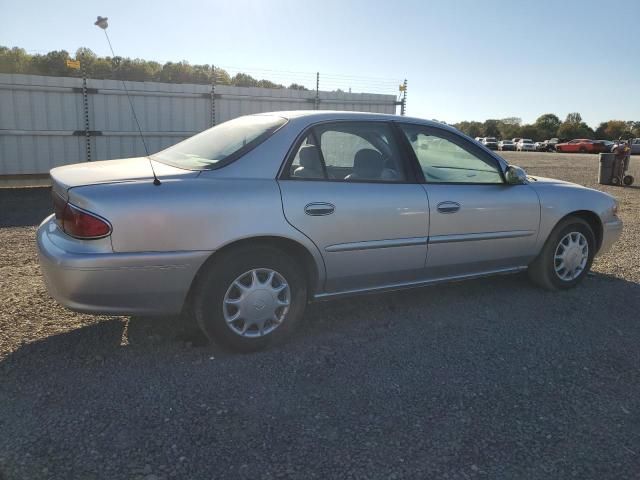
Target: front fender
pixel 559 199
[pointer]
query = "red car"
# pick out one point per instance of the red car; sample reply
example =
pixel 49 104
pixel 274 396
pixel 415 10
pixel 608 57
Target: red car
pixel 582 145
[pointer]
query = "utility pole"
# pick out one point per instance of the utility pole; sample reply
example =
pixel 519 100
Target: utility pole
pixel 79 64
pixel 213 96
pixel 85 105
pixel 403 102
pixel 317 100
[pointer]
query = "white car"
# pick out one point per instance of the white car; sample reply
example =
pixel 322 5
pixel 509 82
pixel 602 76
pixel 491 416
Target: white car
pixel 526 145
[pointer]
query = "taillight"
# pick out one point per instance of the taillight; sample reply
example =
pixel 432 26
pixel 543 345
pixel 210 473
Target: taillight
pixel 78 223
pixel 59 205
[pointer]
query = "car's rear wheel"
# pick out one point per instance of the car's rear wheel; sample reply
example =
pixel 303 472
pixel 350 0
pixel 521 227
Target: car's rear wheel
pixel 566 257
pixel 583 150
pixel 250 298
pixel 627 180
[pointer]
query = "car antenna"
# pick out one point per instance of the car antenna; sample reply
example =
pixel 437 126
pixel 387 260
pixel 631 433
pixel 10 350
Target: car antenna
pixel 103 24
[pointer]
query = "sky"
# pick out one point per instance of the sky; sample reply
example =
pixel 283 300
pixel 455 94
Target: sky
pixel 463 59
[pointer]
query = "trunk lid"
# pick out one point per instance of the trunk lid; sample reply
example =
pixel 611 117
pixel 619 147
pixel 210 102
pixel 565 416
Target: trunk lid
pixel 112 171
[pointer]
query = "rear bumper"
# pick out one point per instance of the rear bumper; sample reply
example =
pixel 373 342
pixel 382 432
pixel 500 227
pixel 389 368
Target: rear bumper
pixel 148 283
pixel 611 232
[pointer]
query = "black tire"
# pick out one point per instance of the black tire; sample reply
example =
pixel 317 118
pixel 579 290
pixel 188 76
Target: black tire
pixel 558 150
pixel 542 270
pixel 218 276
pixel 582 150
pixel 627 180
pixel 615 180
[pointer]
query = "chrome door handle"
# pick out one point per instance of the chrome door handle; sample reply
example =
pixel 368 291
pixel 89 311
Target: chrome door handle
pixel 448 207
pixel 319 209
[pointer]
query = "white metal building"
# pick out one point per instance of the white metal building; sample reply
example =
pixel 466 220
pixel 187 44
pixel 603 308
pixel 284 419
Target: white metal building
pixel 44 120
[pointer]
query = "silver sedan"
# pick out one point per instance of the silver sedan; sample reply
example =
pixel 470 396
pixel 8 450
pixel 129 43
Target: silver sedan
pixel 244 223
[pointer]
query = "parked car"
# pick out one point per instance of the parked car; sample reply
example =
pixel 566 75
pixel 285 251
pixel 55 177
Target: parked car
pixel 490 142
pixel 246 222
pixel 580 145
pixel 525 145
pixel 505 145
pixel 540 146
pixel 603 146
pixel 516 140
pixel 551 144
pixel 634 143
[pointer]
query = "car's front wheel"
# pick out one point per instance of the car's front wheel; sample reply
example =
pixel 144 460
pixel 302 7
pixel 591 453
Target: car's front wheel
pixel 250 298
pixel 566 256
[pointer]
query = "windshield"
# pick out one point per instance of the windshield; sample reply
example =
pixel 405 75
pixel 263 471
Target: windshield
pixel 526 140
pixel 490 139
pixel 223 142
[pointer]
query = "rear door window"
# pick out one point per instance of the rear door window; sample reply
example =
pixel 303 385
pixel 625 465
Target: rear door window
pixel 350 152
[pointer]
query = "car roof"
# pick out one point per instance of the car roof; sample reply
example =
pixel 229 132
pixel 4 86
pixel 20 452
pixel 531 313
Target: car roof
pixel 313 116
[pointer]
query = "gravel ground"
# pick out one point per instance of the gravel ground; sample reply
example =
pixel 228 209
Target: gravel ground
pixel 484 379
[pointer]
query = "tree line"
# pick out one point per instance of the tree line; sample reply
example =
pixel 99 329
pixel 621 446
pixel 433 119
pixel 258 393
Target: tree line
pixel 17 60
pixel 549 126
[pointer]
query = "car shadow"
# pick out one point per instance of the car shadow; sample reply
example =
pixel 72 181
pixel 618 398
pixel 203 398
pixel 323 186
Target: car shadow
pixel 24 207
pixel 327 320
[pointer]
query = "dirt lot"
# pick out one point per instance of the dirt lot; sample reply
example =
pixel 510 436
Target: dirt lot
pixel 484 379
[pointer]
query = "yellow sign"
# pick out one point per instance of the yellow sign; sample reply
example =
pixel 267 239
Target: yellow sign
pixel 402 88
pixel 73 64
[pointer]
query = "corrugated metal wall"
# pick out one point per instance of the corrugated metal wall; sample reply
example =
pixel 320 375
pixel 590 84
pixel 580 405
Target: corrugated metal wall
pixel 42 123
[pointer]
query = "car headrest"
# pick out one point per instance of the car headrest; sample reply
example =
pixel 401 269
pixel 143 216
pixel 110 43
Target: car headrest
pixel 368 163
pixel 309 157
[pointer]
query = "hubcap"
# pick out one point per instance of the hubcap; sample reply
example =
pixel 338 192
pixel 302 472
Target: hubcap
pixel 571 256
pixel 257 302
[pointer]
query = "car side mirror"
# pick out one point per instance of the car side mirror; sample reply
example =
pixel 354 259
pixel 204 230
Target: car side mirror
pixel 515 175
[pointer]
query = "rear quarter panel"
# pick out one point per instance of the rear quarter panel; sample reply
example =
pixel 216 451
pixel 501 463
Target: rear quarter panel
pixel 186 215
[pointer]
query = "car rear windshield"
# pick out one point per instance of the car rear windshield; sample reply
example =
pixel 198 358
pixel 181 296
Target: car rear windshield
pixel 221 144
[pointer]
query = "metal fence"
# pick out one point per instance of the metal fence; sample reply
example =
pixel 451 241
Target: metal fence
pixel 51 121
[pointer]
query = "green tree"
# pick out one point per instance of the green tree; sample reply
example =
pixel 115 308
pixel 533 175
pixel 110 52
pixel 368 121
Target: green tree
pixel 510 127
pixel 14 60
pixel 17 60
pixel 243 80
pixel 222 77
pixel 547 126
pixel 473 129
pixel 491 128
pixel 530 131
pixel 614 129
pixel 269 84
pixel 574 127
pixel 574 118
pixel 53 63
